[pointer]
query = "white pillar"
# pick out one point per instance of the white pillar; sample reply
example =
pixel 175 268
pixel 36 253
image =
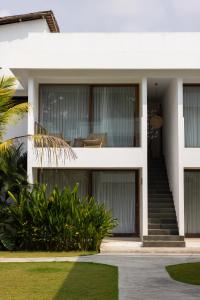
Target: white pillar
pixel 180 158
pixel 144 181
pixel 32 116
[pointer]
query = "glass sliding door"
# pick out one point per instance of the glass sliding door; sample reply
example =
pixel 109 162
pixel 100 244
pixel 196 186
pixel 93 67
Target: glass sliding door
pixel 64 110
pixel 115 188
pixel 192 202
pixel 191 108
pixel 114 114
pixel 90 115
pixel 62 178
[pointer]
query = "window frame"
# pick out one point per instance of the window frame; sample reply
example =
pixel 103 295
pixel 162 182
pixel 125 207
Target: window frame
pixel 137 132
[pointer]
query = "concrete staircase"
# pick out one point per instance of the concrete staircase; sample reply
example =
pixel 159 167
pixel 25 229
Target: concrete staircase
pixel 162 222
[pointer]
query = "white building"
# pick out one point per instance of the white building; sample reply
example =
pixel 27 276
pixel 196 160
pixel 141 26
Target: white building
pixel 99 91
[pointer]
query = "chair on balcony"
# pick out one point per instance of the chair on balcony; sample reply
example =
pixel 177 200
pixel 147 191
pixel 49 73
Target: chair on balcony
pixel 96 140
pixel 78 142
pixel 94 143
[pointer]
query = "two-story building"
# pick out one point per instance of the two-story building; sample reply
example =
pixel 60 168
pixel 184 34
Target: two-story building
pixel 129 106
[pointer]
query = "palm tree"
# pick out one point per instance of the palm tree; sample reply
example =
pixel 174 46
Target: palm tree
pixel 11 112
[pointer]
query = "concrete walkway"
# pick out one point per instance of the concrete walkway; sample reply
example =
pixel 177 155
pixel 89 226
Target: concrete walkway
pixel 140 277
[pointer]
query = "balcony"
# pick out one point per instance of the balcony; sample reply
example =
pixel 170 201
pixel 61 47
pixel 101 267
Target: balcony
pixel 90 116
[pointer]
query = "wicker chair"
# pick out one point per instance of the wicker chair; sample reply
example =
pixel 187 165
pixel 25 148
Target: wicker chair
pixel 99 136
pixel 93 143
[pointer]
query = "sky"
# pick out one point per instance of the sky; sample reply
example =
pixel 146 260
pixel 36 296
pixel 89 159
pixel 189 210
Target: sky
pixel 113 15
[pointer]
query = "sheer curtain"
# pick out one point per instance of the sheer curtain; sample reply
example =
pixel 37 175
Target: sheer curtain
pixel 191 106
pixel 192 202
pixel 113 114
pixel 64 110
pixel 62 178
pixel 116 189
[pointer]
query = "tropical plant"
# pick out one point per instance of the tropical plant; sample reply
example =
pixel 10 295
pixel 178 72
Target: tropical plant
pixel 13 171
pixel 7 228
pixel 11 112
pixel 58 221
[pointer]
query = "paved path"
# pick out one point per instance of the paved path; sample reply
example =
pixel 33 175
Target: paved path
pixel 141 277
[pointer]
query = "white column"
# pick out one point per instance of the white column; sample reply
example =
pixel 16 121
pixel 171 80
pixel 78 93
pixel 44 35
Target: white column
pixel 144 179
pixel 32 116
pixel 180 156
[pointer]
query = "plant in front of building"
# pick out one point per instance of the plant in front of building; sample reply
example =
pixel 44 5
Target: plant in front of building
pixel 58 221
pixel 13 171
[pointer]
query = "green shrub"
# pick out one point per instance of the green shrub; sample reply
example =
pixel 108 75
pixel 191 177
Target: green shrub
pixel 59 221
pixel 13 174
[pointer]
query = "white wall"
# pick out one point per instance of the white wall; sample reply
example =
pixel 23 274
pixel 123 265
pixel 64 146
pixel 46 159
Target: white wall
pixel 103 51
pixel 21 30
pixel 172 141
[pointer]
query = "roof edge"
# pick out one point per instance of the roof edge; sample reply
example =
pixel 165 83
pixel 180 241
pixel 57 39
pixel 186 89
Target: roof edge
pixel 47 15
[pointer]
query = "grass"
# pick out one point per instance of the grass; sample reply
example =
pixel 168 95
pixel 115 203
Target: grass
pixel 24 254
pixel 57 281
pixel 187 273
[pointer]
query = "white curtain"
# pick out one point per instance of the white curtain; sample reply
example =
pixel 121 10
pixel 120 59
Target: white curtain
pixel 192 202
pixel 191 101
pixel 62 178
pixel 113 109
pixel 64 110
pixel 116 189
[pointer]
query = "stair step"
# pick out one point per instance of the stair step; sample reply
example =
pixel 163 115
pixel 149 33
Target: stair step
pixel 156 238
pixel 158 189
pixel 163 231
pixel 162 226
pixel 158 209
pixel 159 192
pixel 157 204
pixel 158 182
pixel 163 220
pixel 156 170
pixel 167 196
pixel 158 201
pixel 156 179
pixel 161 215
pixel 163 244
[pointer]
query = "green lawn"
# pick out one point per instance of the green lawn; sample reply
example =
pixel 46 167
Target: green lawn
pixel 57 281
pixel 187 273
pixel 15 254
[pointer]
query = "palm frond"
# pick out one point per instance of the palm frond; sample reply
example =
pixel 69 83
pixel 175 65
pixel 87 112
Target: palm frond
pixel 7 82
pixel 5 146
pixel 45 146
pixel 51 147
pixel 12 116
pixel 7 90
pixel 17 111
